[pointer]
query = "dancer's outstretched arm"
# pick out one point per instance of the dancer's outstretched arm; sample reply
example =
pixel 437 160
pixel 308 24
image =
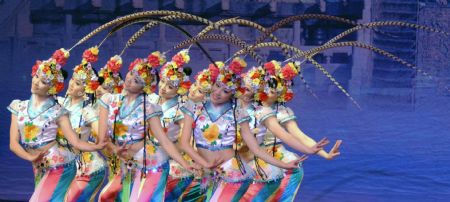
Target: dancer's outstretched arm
pixel 273 125
pixel 293 129
pixel 253 145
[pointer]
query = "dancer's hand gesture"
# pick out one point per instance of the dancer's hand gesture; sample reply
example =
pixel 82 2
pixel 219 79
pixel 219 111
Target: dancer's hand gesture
pixel 122 151
pixel 334 152
pixel 37 156
pixel 319 146
pixel 294 164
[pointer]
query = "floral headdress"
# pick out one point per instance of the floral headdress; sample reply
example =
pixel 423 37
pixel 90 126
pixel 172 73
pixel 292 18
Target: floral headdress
pixel 174 73
pixel 230 75
pixel 145 69
pixel 255 76
pixel 207 77
pixel 273 71
pixel 110 74
pixel 85 72
pixel 51 71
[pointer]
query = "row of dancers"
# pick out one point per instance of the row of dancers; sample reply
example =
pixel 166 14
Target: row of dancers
pixel 157 136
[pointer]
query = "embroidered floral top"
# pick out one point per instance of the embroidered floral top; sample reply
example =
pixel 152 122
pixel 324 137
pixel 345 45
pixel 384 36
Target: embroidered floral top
pixel 129 118
pixel 171 115
pixel 261 114
pixel 215 126
pixel 80 117
pixel 284 114
pixel 37 126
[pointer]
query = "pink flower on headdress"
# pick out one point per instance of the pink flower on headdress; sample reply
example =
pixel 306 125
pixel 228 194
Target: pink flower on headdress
pixel 236 67
pixel 214 72
pixel 153 60
pixel 114 64
pixel 178 59
pixel 35 67
pixel 134 63
pixel 61 56
pixel 270 67
pixel 156 59
pixel 91 54
pixel 288 72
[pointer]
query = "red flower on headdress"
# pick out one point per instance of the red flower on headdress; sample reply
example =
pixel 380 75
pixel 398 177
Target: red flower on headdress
pixel 241 90
pixel 119 88
pixel 114 65
pixel 227 78
pixel 60 57
pixel 94 85
pixel 288 96
pixel 263 96
pixel 134 63
pixel 255 75
pixel 270 68
pixel 288 73
pixel 59 86
pixel 35 67
pixel 185 85
pixel 170 72
pixel 153 60
pixel 89 56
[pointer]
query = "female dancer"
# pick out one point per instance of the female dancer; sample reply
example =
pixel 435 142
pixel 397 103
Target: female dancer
pixel 91 168
pixel 34 124
pixel 215 133
pixel 173 84
pixel 272 88
pixel 198 92
pixel 125 118
pixel 110 82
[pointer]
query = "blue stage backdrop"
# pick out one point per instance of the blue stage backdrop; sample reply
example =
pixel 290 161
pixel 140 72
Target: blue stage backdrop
pixel 394 149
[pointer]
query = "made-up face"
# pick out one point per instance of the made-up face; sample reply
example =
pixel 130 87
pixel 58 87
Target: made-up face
pixel 248 94
pixel 39 85
pixel 166 89
pixel 272 96
pixel 220 94
pixel 133 83
pixel 101 90
pixel 195 93
pixel 76 88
